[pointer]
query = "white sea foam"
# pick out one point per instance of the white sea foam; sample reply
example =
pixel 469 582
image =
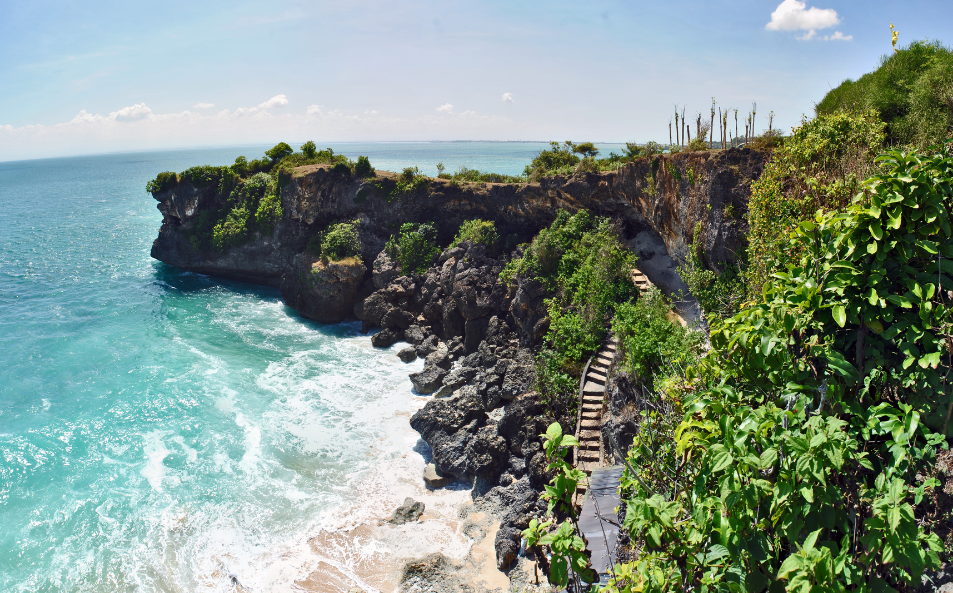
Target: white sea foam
pixel 155 452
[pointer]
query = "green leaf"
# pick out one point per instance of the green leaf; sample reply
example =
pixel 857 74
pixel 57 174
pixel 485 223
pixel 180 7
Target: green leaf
pixel 840 366
pixel 554 431
pixel 840 315
pixel 720 458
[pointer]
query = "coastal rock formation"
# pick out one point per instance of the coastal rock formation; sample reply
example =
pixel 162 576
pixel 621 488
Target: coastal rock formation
pixel 322 290
pixel 673 197
pixel 408 512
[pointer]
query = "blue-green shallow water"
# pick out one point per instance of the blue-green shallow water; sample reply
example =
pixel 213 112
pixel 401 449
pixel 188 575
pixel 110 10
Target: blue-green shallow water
pixel 167 431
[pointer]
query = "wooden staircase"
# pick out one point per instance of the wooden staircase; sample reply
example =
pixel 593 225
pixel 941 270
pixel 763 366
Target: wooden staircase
pixel 590 455
pixel 640 280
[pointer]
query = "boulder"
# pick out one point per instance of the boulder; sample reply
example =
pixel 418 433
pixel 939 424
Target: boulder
pixel 386 337
pixel 486 453
pixel 415 335
pixel 432 477
pixel 428 380
pixel 529 309
pixel 507 546
pixel 407 354
pixel 325 291
pixel 440 357
pixel 397 318
pixel 519 376
pixel 372 309
pixel 408 512
pixel 384 270
pixel 429 345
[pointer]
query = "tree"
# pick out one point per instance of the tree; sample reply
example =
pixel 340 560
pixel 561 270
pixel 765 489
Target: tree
pixel 279 151
pixel 309 149
pixel 586 149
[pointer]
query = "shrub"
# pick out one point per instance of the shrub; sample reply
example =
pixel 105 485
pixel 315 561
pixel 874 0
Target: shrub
pixel 911 91
pixel 414 247
pixel 586 149
pixel 340 241
pixel 233 231
pixel 698 144
pixel 269 212
pixel 363 168
pixel 241 166
pixel 583 261
pixel 279 151
pixel 650 339
pixel 818 167
pixel 552 160
pixel 806 465
pixel 478 231
pixel 203 176
pixel 162 182
pixel 309 149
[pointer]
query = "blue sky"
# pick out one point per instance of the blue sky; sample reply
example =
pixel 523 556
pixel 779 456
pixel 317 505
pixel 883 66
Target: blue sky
pixel 86 77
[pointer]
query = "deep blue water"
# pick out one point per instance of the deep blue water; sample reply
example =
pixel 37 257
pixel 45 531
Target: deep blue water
pixel 166 431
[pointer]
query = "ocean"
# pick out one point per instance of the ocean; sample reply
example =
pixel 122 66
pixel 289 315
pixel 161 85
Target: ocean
pixel 162 430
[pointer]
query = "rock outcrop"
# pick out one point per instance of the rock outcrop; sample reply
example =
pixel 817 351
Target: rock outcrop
pixel 674 198
pixel 323 290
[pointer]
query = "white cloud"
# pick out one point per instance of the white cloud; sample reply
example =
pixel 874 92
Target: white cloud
pixel 276 101
pixel 137 127
pixel 838 36
pixel 203 105
pixel 447 108
pixel 507 97
pixel 131 113
pixel 794 15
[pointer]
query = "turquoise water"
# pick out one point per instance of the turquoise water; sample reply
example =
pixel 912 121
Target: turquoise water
pixel 166 431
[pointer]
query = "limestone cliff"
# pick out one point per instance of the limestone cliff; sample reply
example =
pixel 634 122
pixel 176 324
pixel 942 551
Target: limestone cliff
pixel 670 197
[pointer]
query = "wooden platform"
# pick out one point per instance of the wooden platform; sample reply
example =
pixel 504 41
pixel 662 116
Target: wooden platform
pixel 598 519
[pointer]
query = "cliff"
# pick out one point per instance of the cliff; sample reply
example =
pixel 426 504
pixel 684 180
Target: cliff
pixel 667 197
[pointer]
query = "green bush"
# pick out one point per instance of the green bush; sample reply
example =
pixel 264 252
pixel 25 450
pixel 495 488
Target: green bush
pixel 279 151
pixel 803 461
pixel 414 247
pixel 650 339
pixel 240 167
pixel 363 168
pixel 252 206
pixel 583 260
pixel 309 149
pixel 268 213
pixel 818 167
pixel 162 182
pixel 466 175
pixel 202 176
pixel 912 91
pixel 233 230
pixel 478 231
pixel 340 241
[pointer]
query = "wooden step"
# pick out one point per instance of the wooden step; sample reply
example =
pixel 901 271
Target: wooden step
pixel 590 424
pixel 605 361
pixel 599 368
pixel 594 376
pixel 611 347
pixel 591 387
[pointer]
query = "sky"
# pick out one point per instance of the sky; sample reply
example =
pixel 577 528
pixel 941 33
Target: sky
pixel 107 76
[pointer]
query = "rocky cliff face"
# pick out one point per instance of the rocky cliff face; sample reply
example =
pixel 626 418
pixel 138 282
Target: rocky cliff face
pixel 672 198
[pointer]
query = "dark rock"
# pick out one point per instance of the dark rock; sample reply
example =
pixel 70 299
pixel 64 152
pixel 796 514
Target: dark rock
pixel 486 453
pixel 407 354
pixel 520 375
pixel 384 270
pixel 475 332
pixel 529 309
pixel 428 380
pixel 372 309
pixel 455 346
pixel 325 291
pixel 440 357
pixel 397 319
pixel 386 337
pixel 408 512
pixel 537 469
pixel 434 573
pixel 448 426
pixel 427 346
pixel 507 546
pixel 452 320
pixel 415 335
